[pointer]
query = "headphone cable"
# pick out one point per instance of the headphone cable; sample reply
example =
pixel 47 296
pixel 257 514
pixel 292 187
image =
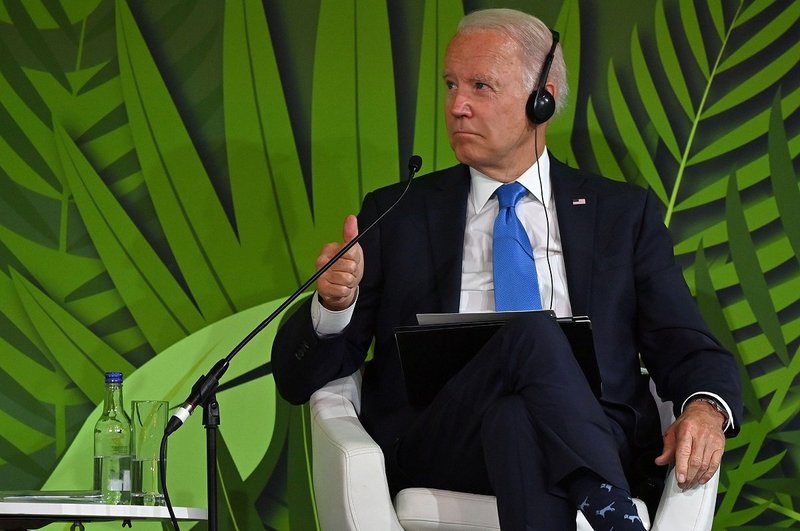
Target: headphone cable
pixel 546 216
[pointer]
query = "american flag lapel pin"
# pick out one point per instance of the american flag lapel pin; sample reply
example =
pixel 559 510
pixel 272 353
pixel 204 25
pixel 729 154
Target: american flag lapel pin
pixel 579 201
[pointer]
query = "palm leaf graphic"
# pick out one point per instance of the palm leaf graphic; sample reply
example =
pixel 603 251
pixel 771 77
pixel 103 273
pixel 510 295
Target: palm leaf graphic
pixel 696 123
pixel 354 127
pixel 243 452
pixel 162 183
pixel 167 257
pixel 439 22
pixel 256 122
pixel 559 132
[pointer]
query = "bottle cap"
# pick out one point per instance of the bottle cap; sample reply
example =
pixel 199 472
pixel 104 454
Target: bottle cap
pixel 113 377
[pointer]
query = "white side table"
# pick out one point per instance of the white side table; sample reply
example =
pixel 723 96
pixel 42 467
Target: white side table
pixel 33 515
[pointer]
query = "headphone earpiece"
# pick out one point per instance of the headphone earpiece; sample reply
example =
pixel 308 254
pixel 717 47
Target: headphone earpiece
pixel 541 104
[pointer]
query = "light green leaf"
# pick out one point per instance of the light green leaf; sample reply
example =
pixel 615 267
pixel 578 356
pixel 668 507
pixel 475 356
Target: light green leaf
pixel 749 174
pixel 71 273
pixel 22 437
pixel 79 352
pixel 670 61
pixel 247 412
pixel 718 16
pixel 559 130
pixel 604 156
pixel 439 24
pixel 709 305
pixel 353 118
pixel 31 161
pixel 753 9
pixel 694 34
pixel 766 35
pixel 262 157
pixel 47 385
pixel 656 110
pixel 156 301
pixel 634 142
pixel 189 211
pixel 301 490
pixel 748 131
pixel 771 74
pixel 13 309
pixel 759 214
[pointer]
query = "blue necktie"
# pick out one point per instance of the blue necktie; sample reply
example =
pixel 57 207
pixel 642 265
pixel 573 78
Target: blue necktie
pixel 516 286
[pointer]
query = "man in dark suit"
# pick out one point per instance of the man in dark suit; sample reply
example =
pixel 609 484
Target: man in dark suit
pixel 520 420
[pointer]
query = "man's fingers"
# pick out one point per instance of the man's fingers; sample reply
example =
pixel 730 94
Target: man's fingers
pixel 347 263
pixel 697 441
pixel 683 467
pixel 713 466
pixel 350 229
pixel 695 470
pixel 708 463
pixel 697 457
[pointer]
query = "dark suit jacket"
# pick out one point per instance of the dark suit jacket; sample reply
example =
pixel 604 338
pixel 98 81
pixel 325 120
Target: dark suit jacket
pixel 620 272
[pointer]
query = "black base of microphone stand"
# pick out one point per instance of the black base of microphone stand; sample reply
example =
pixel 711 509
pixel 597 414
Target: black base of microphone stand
pixel 211 422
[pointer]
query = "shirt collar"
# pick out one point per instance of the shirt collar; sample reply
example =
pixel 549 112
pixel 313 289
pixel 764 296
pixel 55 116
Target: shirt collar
pixel 482 187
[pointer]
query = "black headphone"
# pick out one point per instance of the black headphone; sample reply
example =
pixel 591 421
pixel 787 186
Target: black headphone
pixel 541 104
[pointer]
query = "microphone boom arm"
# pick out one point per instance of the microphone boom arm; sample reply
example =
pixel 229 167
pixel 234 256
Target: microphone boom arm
pixel 206 385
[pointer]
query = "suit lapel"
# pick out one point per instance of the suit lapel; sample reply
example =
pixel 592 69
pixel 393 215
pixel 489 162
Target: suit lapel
pixel 446 212
pixel 576 207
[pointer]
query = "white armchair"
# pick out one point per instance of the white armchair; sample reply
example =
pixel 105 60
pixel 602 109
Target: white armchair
pixel 352 493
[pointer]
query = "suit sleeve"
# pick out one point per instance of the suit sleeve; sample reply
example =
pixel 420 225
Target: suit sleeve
pixel 678 349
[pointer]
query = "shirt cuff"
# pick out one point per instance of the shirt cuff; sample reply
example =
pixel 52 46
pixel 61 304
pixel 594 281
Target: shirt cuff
pixel 716 397
pixel 329 322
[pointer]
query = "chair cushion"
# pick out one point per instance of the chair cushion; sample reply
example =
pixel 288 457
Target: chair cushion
pixel 420 509
pixel 424 509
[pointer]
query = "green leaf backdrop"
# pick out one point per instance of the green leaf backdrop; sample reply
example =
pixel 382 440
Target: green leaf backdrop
pixel 169 169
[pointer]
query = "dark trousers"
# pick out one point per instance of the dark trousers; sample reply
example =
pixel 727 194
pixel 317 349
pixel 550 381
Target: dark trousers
pixel 516 421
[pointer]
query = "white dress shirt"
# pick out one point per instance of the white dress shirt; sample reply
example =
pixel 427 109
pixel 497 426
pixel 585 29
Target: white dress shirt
pixel 477 281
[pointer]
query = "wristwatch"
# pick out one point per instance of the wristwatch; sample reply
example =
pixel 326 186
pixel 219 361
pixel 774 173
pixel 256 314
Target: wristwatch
pixel 715 404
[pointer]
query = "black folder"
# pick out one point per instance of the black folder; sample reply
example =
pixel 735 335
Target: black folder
pixel 433 352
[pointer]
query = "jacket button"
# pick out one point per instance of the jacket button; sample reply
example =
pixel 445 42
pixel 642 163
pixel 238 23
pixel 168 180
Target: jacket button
pixel 301 351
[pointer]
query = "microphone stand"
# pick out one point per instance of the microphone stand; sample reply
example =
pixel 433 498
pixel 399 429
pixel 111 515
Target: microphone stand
pixel 211 423
pixel 203 392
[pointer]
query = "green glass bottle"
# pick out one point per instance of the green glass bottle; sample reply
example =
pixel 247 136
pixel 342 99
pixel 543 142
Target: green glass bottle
pixel 112 446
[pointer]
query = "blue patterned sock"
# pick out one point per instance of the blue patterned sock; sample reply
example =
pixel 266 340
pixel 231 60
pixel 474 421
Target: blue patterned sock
pixel 606 507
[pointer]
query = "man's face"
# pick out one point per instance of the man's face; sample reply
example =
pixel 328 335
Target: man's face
pixel 485 105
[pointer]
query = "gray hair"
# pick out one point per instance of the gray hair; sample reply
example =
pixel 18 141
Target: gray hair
pixel 534 39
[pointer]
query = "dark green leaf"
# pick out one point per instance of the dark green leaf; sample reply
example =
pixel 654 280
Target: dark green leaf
pixel 784 179
pixel 754 285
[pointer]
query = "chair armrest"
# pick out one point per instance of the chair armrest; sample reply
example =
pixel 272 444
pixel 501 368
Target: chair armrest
pixel 349 474
pixel 690 510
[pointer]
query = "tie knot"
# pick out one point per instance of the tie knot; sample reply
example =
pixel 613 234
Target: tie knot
pixel 509 194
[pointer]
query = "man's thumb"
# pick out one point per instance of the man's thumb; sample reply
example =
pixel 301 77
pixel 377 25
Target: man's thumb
pixel 668 454
pixel 350 229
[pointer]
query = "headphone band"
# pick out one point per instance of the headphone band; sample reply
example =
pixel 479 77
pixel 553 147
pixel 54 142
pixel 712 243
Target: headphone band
pixel 548 62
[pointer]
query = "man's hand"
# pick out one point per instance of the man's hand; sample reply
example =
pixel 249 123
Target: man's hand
pixel 695 443
pixel 337 286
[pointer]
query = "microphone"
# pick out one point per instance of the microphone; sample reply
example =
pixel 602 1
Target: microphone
pixel 206 385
